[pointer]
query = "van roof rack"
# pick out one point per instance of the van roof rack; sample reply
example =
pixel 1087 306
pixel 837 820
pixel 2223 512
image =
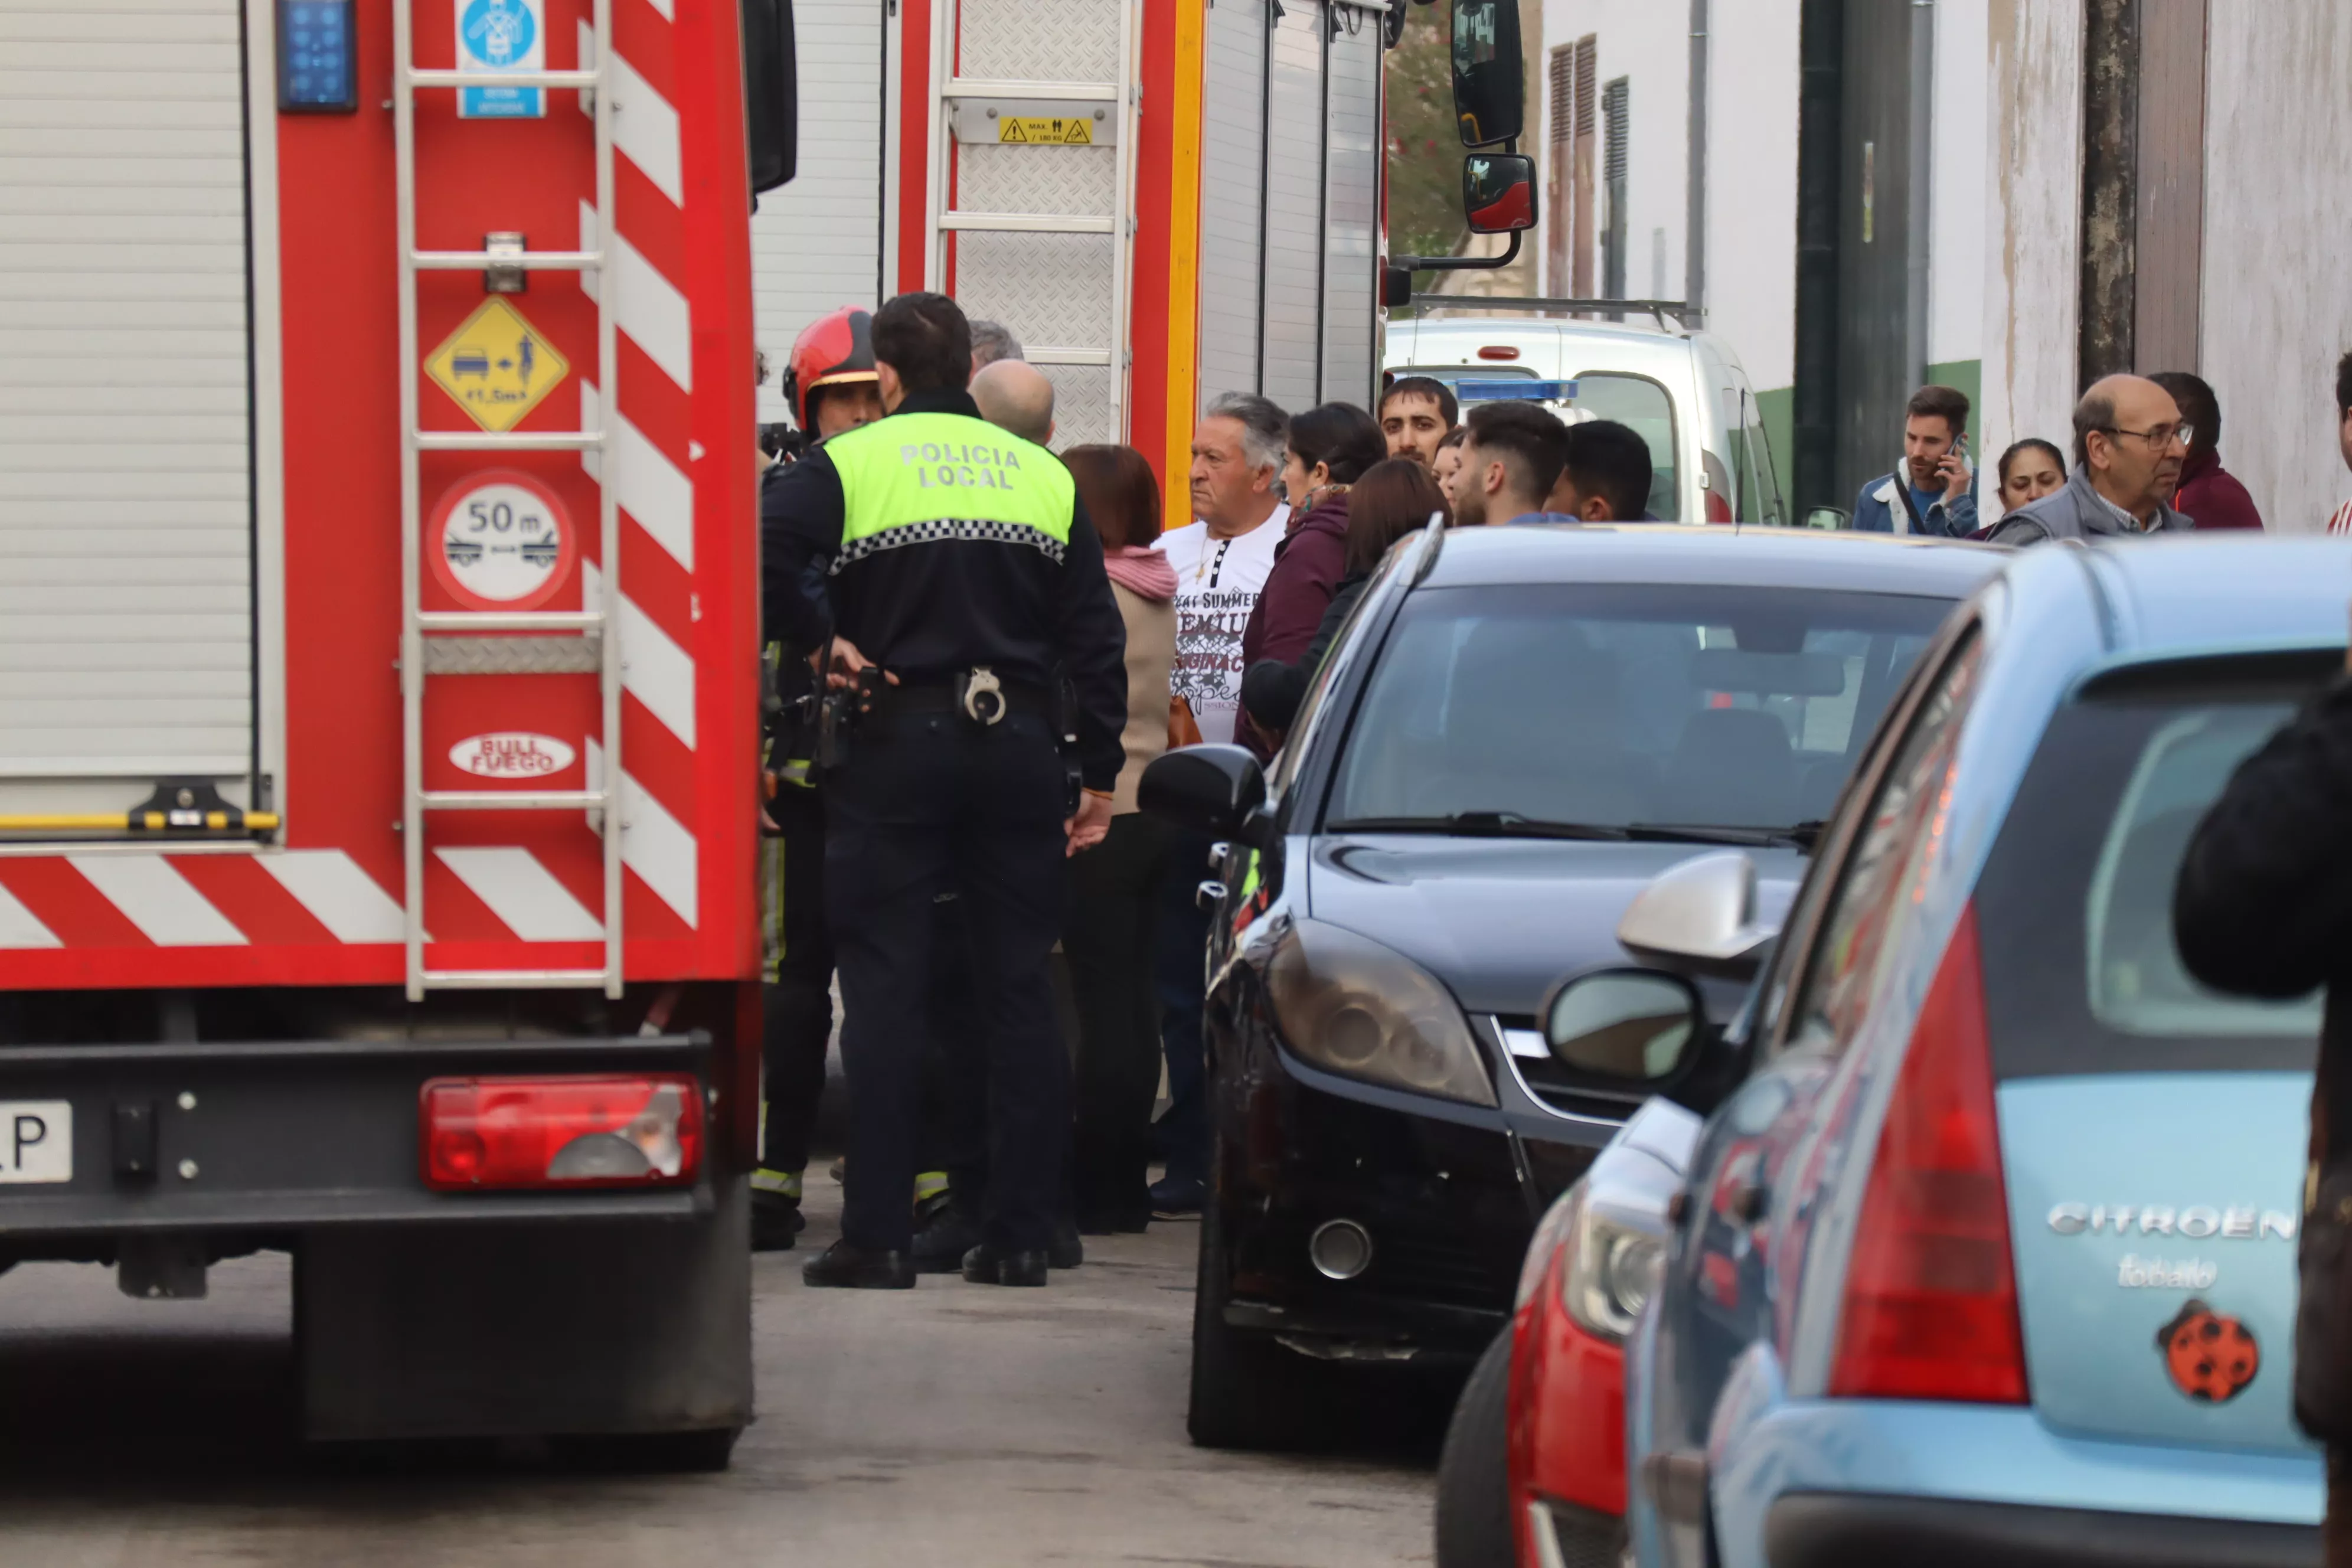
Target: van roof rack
pixel 1672 314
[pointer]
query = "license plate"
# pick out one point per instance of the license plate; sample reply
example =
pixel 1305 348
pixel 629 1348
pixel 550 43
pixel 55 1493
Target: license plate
pixel 35 1141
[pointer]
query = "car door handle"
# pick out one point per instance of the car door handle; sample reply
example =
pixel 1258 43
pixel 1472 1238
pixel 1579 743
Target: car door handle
pixel 1209 895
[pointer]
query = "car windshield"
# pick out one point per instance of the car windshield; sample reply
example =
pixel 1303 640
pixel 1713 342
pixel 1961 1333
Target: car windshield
pixel 1666 710
pixel 2097 832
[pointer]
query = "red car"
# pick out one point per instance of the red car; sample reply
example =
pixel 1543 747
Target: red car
pixel 1534 1468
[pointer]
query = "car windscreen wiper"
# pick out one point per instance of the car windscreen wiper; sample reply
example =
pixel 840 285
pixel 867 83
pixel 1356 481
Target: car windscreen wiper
pixel 1803 835
pixel 1480 825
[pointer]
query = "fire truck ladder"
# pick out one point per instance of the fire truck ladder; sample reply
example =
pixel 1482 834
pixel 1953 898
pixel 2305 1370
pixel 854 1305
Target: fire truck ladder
pixel 962 111
pixel 594 626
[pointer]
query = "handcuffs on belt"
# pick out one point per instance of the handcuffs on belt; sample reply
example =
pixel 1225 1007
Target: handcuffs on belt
pixel 981 695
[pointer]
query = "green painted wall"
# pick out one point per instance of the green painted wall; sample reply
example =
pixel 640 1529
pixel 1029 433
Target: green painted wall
pixel 1777 409
pixel 1968 374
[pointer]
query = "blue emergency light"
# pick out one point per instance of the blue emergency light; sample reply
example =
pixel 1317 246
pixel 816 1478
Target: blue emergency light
pixel 1516 390
pixel 318 56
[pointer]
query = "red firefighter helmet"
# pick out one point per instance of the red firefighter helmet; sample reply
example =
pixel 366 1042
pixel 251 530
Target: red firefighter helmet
pixel 832 350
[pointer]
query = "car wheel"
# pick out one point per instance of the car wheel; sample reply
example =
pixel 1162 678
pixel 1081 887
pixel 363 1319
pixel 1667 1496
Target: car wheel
pixel 1247 1391
pixel 1473 1483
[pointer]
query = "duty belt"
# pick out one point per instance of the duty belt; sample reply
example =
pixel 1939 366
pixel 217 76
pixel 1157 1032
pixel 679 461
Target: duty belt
pixel 979 694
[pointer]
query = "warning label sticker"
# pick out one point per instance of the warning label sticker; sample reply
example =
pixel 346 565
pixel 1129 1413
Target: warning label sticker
pixel 496 366
pixel 1037 128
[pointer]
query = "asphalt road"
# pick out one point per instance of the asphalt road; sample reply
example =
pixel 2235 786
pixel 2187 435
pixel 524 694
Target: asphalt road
pixel 958 1425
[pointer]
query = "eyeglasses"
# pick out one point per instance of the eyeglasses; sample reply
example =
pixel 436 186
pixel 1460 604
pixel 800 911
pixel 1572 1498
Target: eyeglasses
pixel 2158 436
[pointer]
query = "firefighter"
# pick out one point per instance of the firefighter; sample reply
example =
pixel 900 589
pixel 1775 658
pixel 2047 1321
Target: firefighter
pixel 830 387
pixel 947 570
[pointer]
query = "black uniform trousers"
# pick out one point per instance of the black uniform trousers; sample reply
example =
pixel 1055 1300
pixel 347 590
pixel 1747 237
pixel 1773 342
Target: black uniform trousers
pixel 926 803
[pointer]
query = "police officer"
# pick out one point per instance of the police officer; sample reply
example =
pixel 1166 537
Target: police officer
pixel 831 386
pixel 950 566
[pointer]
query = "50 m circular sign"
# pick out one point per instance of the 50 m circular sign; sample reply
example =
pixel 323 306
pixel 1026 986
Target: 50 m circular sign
pixel 501 541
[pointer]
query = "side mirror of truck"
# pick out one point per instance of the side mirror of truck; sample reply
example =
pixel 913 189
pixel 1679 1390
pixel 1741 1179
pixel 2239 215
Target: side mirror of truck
pixel 771 94
pixel 1498 192
pixel 1489 73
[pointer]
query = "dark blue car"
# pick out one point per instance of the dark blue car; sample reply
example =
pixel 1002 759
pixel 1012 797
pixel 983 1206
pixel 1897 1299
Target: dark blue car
pixel 1520 728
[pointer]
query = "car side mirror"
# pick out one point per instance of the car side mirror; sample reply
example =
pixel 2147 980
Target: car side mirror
pixel 1217 790
pixel 1489 71
pixel 1700 918
pixel 1637 1026
pixel 772 97
pixel 1831 517
pixel 1498 192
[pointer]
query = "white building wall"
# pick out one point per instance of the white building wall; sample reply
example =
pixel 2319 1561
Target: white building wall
pixel 1647 42
pixel 1751 185
pixel 2032 234
pixel 1958 208
pixel 2277 296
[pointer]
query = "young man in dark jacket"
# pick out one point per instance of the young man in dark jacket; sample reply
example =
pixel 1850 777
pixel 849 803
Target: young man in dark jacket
pixel 2263 908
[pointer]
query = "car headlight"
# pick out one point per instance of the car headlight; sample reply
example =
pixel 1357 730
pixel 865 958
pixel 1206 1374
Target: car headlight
pixel 1348 1005
pixel 1613 1271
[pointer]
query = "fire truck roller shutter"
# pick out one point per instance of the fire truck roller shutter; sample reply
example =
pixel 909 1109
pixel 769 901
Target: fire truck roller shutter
pixel 126 506
pixel 1233 153
pixel 1352 210
pixel 816 243
pixel 1294 228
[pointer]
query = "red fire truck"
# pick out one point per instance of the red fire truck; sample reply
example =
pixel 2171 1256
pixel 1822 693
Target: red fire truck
pixel 378 704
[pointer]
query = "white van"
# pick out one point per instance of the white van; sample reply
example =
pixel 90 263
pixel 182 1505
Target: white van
pixel 1683 391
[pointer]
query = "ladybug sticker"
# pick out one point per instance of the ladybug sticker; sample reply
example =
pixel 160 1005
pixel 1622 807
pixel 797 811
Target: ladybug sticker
pixel 2211 1358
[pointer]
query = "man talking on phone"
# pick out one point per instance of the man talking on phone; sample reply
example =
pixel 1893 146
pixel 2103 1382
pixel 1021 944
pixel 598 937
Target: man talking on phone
pixel 1933 490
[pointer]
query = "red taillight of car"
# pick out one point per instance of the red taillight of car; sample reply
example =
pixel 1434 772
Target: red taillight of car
pixel 1931 1289
pixel 1718 506
pixel 1499 350
pixel 640 1130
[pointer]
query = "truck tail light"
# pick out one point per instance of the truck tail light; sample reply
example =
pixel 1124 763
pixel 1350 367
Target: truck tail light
pixel 637 1130
pixel 1931 1289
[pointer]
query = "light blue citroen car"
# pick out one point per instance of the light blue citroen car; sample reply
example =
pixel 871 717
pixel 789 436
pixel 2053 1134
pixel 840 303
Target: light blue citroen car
pixel 1989 1254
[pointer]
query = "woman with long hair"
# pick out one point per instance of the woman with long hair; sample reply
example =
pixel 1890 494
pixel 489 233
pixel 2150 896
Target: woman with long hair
pixel 1107 937
pixel 1396 497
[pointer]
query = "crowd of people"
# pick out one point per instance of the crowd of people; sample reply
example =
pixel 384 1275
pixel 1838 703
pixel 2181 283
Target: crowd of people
pixel 1225 618
pixel 2146 459
pixel 1221 621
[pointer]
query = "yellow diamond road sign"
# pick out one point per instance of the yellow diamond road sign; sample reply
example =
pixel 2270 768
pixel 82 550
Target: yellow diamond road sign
pixel 498 365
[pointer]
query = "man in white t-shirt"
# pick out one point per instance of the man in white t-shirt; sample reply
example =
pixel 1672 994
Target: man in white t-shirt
pixel 1222 561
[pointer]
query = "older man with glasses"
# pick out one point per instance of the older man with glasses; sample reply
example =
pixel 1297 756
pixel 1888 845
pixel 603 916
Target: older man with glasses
pixel 2129 442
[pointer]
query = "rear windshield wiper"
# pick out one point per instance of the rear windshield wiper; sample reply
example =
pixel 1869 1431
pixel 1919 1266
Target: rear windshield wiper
pixel 1803 835
pixel 1480 825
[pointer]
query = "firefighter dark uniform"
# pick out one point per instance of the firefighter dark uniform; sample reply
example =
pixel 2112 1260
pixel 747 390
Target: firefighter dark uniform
pixel 835 351
pixel 958 558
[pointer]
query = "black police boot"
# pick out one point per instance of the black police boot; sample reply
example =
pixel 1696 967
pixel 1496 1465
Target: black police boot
pixel 775 1221
pixel 1065 1250
pixel 846 1268
pixel 989 1264
pixel 941 1245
